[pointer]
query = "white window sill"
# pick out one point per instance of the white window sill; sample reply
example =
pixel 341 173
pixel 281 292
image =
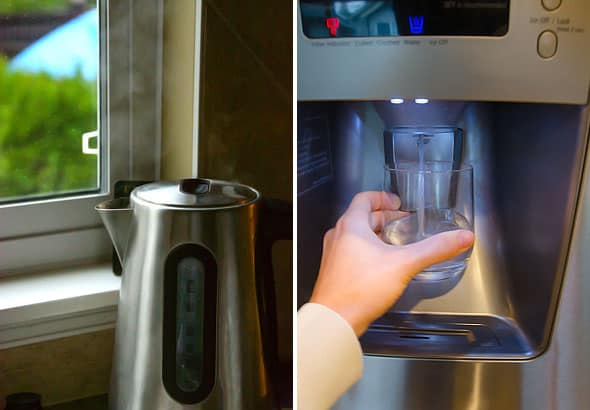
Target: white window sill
pixel 45 306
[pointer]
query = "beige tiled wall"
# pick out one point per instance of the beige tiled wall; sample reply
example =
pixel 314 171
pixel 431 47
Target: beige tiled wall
pixel 61 369
pixel 246 129
pixel 246 94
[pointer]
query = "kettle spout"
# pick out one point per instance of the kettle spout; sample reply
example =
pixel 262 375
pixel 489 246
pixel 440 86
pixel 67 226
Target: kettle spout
pixel 116 216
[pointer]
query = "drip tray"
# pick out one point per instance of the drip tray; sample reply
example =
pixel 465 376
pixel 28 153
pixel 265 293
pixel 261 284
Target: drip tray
pixel 446 336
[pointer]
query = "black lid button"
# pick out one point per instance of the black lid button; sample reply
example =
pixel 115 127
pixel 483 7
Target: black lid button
pixel 195 186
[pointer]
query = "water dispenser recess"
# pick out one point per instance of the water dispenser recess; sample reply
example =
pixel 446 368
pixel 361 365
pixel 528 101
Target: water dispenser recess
pixel 492 295
pixel 501 308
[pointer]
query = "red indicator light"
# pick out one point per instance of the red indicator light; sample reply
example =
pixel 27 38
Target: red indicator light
pixel 333 23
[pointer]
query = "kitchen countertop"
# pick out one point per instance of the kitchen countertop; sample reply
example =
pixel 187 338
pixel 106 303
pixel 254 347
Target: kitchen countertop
pixel 92 403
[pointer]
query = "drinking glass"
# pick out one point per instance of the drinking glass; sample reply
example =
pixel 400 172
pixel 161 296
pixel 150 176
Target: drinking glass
pixel 434 198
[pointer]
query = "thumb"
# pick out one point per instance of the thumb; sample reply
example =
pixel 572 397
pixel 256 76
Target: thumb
pixel 437 248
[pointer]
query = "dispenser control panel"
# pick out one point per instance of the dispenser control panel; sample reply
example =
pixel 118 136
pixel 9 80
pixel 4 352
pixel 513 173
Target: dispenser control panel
pixel 380 18
pixel 465 50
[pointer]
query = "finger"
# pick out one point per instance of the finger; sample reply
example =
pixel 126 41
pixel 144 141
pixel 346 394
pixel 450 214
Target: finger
pixel 437 248
pixel 370 201
pixel 380 219
pixel 327 245
pixel 328 237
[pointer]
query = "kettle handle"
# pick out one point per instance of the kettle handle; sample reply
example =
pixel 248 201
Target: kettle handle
pixel 275 223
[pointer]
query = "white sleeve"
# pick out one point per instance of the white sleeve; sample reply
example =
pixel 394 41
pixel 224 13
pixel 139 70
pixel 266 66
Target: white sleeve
pixel 329 357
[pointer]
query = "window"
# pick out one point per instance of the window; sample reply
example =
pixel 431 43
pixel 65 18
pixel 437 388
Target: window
pixel 49 99
pixel 79 109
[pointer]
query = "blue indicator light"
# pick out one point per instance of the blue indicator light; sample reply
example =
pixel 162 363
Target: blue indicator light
pixel 416 24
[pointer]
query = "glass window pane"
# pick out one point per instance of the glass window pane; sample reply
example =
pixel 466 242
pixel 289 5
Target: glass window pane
pixel 48 98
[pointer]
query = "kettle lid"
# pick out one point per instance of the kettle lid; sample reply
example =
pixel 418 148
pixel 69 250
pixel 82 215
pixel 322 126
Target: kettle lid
pixel 199 193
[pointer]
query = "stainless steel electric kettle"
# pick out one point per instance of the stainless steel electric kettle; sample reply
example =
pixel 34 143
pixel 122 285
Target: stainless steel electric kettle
pixel 196 325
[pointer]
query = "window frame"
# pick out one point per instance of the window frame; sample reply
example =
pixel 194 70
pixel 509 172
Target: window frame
pixel 57 232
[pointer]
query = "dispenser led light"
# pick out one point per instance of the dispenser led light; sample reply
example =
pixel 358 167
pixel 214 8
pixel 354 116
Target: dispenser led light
pixel 332 23
pixel 421 100
pixel 416 24
pixel 397 100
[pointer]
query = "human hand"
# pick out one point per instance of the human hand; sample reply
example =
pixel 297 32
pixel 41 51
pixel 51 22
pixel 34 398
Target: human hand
pixel 360 275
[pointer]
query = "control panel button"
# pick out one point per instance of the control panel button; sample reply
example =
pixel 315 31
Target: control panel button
pixel 551 4
pixel 547 44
